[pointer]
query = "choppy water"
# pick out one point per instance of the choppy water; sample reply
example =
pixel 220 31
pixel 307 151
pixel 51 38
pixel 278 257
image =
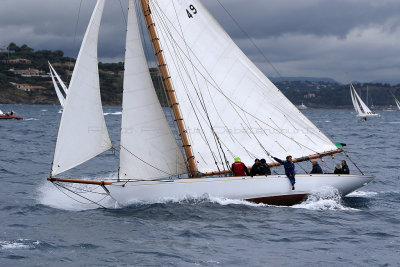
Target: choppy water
pixel 41 226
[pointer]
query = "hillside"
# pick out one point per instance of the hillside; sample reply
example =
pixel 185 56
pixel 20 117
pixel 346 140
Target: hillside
pixel 24 79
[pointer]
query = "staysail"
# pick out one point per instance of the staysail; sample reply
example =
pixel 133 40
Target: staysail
pixel 83 133
pixel 148 148
pixel 228 105
pixel 56 88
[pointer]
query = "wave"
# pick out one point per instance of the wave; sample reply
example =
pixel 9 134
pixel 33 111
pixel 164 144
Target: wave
pixel 31 119
pixel 113 113
pixel 362 194
pixel 328 198
pixel 19 244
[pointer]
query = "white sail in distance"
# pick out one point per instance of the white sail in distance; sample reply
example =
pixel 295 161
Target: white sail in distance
pixel 397 102
pixel 63 86
pixel 354 100
pixel 56 88
pixel 361 108
pixel 148 148
pixel 225 100
pixel 83 133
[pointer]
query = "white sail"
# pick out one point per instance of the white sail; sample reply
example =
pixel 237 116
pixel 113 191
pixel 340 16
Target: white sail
pixel 397 103
pixel 83 133
pixel 63 86
pixel 148 147
pixel 216 84
pixel 56 88
pixel 354 100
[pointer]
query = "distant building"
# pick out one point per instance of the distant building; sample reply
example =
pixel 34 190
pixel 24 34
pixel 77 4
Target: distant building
pixel 309 95
pixel 16 61
pixel 27 72
pixel 65 64
pixel 27 87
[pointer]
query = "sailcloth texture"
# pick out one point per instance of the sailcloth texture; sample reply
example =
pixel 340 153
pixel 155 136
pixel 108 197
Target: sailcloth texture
pixel 148 147
pixel 83 133
pixel 230 108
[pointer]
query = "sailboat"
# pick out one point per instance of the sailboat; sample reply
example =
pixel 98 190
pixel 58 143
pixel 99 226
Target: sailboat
pixel 222 106
pixel 302 106
pixel 397 102
pixel 55 76
pixel 361 108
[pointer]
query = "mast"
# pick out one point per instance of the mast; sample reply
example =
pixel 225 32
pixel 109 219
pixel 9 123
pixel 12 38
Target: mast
pixel 169 88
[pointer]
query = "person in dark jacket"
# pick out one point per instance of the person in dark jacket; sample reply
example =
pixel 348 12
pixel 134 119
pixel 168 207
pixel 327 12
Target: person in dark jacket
pixel 315 167
pixel 289 169
pixel 256 168
pixel 239 168
pixel 345 168
pixel 338 169
pixel 265 170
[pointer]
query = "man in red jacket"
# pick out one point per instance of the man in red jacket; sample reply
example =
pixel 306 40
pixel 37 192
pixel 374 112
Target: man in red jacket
pixel 239 168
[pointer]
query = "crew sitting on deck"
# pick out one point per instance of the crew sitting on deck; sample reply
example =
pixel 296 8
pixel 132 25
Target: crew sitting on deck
pixel 256 168
pixel 345 168
pixel 315 167
pixel 265 170
pixel 289 169
pixel 338 169
pixel 239 168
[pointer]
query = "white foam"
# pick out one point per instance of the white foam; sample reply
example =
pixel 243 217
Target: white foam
pixel 113 113
pixel 31 119
pixel 44 110
pixel 328 198
pixel 18 244
pixel 59 198
pixel 362 194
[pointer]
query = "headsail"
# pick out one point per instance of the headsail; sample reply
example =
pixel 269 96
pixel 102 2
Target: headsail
pixel 63 86
pixel 397 102
pixel 83 133
pixel 354 100
pixel 228 105
pixel 148 147
pixel 56 88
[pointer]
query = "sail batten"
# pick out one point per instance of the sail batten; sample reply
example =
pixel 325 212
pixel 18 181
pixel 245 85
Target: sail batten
pixel 83 133
pixel 223 96
pixel 148 147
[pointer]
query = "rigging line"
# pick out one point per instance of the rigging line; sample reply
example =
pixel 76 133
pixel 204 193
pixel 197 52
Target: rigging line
pixel 185 86
pixel 251 40
pixel 96 203
pixel 232 103
pixel 146 162
pixel 122 11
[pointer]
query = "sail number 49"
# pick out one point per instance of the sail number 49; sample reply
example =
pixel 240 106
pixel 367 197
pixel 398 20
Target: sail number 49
pixel 193 10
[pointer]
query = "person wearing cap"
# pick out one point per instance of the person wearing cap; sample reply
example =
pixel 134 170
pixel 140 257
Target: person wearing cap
pixel 239 168
pixel 289 169
pixel 315 167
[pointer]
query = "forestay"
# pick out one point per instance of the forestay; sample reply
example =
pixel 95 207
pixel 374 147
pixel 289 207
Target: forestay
pixel 225 100
pixel 83 133
pixel 148 147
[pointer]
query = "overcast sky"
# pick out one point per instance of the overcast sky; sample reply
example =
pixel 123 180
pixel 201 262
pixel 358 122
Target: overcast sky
pixel 339 39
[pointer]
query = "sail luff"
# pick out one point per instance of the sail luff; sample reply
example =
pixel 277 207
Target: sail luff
pixel 56 88
pixel 148 147
pixel 169 88
pixel 83 132
pixel 354 100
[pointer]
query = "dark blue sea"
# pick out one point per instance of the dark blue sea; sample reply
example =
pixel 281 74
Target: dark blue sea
pixel 41 226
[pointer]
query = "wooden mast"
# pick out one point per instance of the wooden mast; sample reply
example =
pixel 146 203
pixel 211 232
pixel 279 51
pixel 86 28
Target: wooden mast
pixel 168 85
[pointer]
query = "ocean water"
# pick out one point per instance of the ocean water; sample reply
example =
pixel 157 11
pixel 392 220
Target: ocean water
pixel 42 226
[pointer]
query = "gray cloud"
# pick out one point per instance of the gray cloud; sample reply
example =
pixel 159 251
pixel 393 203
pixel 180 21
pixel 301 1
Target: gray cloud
pixel 342 39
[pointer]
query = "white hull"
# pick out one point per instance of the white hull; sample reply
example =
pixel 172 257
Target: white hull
pixel 274 189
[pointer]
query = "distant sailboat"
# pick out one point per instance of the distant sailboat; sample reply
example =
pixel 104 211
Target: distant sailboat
pixel 361 108
pixel 60 96
pixel 227 108
pixel 397 102
pixel 302 106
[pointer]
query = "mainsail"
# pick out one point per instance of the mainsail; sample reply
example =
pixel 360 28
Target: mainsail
pixel 148 148
pixel 228 105
pixel 397 102
pixel 56 88
pixel 83 133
